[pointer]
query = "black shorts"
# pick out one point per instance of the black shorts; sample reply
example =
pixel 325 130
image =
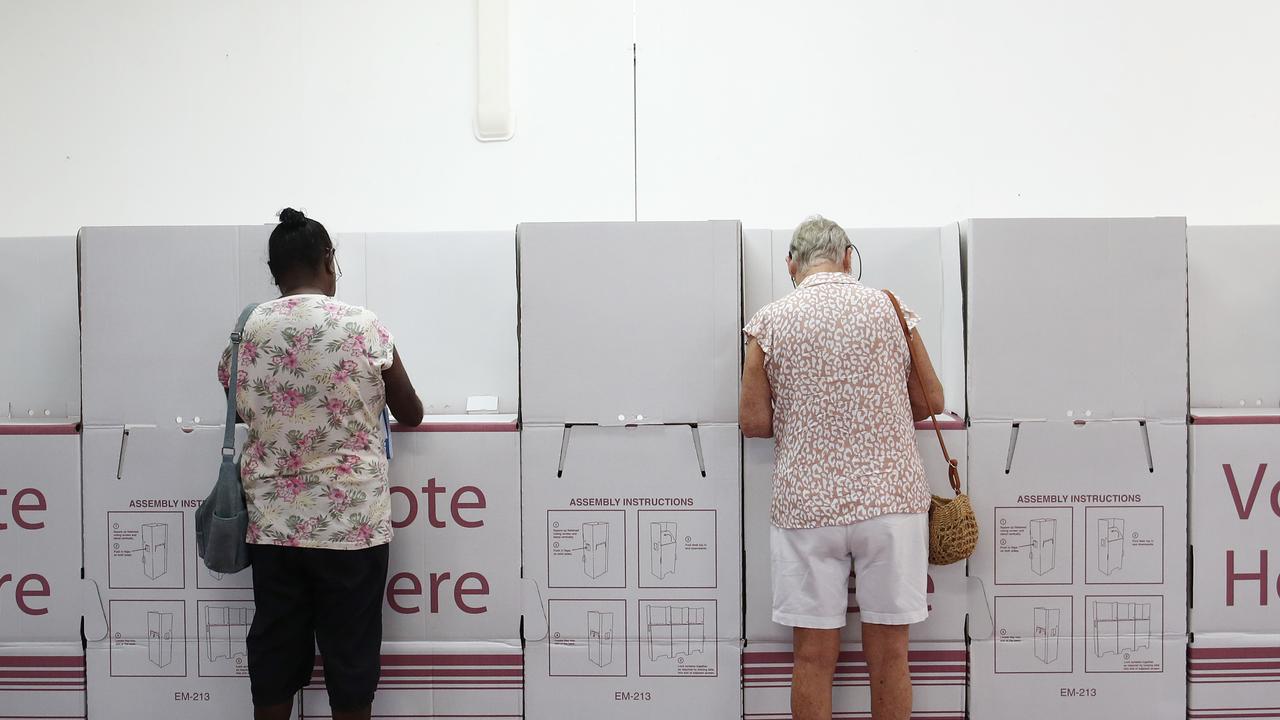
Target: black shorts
pixel 309 597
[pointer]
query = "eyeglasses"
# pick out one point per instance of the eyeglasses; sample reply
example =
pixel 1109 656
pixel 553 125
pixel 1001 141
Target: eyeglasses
pixel 337 268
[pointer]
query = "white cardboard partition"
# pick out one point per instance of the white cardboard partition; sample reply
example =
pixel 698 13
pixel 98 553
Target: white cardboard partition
pixel 1233 297
pixel 1083 557
pixel 42 672
pixel 450 301
pixel 632 539
pixel 42 599
pixel 1233 675
pixel 451 623
pixel 1075 319
pixel 40 371
pixel 173 642
pixel 920 265
pixel 1235 522
pixel 157 305
pixel 630 322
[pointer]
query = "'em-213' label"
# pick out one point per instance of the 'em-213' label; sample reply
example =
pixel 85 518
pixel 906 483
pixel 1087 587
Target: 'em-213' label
pixel 1079 692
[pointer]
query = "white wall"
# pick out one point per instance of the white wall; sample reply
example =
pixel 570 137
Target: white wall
pixel 186 112
pixel 879 114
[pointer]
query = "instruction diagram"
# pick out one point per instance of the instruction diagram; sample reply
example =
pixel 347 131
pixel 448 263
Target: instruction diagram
pixel 1048 623
pixel 1126 545
pixel 586 548
pixel 1033 634
pixel 673 631
pixel 600 638
pixel 1043 551
pixel 160 638
pixel 677 548
pixel 587 638
pixel 145 550
pixel 678 638
pixel 1122 634
pixel 223 632
pixel 1034 545
pixel 1110 544
pixel 662 548
pixel 148 638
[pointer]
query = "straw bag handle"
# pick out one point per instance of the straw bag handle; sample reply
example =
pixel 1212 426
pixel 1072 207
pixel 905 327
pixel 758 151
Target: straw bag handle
pixel 953 466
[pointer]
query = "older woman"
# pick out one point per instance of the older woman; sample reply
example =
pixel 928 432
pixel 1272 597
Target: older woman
pixel 315 375
pixel 826 376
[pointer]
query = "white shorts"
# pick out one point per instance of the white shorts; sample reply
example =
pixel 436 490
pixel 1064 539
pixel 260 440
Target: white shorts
pixel 890 557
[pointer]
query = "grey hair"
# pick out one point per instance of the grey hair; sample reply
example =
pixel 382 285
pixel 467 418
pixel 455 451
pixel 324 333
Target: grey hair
pixel 818 239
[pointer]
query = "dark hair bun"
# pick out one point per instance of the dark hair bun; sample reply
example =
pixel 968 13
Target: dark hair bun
pixel 292 218
pixel 298 243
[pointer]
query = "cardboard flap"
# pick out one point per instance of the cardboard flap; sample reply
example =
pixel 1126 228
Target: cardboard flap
pixel 1232 297
pixel 127 376
pixel 449 299
pixel 533 610
pixel 39 276
pixel 1081 316
pixel 94 610
pixel 630 319
pixel 981 617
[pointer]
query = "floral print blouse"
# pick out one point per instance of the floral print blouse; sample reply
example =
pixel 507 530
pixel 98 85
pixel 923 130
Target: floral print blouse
pixel 310 388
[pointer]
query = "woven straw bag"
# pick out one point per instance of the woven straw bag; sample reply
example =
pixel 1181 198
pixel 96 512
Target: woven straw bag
pixel 953 528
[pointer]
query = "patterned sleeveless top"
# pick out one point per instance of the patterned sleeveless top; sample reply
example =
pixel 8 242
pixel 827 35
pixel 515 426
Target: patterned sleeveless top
pixel 838 365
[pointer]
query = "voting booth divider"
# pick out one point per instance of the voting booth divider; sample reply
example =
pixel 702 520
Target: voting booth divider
pixel 173 640
pixel 922 267
pixel 1077 357
pixel 1235 454
pixel 42 598
pixel 631 468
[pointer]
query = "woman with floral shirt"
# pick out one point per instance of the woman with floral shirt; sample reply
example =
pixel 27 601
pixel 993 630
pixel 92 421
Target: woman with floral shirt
pixel 314 377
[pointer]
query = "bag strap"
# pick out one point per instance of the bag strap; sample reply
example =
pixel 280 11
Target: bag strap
pixel 953 466
pixel 229 436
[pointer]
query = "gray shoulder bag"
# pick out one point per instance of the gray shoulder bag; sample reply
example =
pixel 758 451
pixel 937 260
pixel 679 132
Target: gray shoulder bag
pixel 222 520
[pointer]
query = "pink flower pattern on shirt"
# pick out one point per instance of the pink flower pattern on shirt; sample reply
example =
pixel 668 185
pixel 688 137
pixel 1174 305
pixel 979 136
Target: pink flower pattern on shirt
pixel 838 365
pixel 310 388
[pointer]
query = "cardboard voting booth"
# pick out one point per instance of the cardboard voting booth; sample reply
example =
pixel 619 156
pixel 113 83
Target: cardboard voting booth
pixel 173 640
pixel 1235 448
pixel 631 468
pixel 1077 465
pixel 42 598
pixel 922 267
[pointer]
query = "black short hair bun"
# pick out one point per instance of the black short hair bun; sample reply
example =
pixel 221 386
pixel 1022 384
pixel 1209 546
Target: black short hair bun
pixel 292 218
pixel 298 243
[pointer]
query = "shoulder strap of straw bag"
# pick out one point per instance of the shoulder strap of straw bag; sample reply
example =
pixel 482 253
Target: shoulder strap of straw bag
pixel 953 466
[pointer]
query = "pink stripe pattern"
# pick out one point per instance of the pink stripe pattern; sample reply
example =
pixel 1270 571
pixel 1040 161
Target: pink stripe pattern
pixel 445 672
pixel 41 673
pixel 928 667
